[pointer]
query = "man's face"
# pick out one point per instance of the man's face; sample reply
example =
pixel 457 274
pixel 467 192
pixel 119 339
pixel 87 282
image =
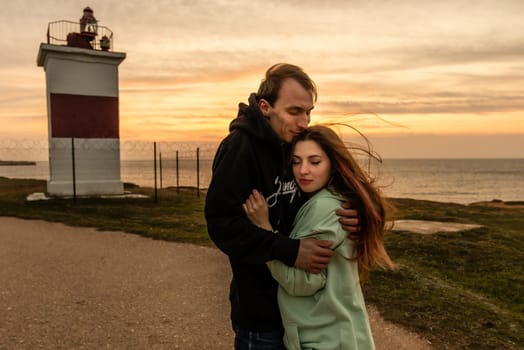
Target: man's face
pixel 290 114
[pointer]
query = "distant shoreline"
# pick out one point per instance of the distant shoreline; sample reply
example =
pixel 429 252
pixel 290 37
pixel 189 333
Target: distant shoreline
pixel 454 181
pixel 16 162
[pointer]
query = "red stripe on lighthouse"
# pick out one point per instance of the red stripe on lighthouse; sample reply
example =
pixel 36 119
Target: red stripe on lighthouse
pixel 84 116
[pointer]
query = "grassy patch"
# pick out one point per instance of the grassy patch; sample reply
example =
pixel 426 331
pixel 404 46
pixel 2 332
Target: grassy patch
pixel 460 290
pixel 175 217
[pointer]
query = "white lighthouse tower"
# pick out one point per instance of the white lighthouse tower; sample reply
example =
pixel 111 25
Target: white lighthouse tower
pixel 82 107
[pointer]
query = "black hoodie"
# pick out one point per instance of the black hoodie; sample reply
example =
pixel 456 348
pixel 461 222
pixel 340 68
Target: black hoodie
pixel 251 157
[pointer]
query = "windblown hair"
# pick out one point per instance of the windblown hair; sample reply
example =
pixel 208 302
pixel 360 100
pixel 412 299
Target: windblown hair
pixel 352 182
pixel 270 86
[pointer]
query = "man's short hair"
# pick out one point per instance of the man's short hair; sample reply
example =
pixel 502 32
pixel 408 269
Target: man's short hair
pixel 276 74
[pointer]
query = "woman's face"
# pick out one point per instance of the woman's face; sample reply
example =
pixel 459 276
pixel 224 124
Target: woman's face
pixel 311 166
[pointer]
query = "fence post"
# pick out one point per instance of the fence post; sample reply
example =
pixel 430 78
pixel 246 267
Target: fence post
pixel 74 167
pixel 160 164
pixel 198 171
pixel 154 164
pixel 176 164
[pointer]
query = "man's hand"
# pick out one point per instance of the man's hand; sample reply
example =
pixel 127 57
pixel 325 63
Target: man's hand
pixel 348 218
pixel 314 255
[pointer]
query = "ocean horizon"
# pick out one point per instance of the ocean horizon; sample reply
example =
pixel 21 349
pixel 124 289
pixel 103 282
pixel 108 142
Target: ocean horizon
pixel 462 181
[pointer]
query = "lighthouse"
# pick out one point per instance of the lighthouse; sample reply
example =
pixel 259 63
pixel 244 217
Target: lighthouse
pixel 81 71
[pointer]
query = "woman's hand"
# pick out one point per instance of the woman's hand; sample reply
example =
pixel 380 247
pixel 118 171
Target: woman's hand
pixel 257 211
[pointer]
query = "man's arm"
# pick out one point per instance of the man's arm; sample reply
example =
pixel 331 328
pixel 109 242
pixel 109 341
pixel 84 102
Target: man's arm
pixel 314 255
pixel 234 177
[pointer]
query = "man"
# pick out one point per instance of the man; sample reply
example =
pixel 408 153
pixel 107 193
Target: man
pixel 255 156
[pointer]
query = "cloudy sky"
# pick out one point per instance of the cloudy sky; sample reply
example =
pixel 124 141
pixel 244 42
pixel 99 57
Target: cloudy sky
pixel 419 78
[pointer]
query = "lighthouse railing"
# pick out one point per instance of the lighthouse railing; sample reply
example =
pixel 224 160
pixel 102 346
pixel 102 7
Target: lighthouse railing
pixel 58 32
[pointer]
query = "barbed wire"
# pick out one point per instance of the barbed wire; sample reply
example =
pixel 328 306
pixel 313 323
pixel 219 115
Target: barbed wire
pixel 38 149
pixel 176 161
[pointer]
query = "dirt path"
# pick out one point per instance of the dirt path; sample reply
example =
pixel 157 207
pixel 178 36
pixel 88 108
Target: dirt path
pixel 78 288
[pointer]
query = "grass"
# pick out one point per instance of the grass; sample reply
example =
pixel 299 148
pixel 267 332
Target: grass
pixel 460 290
pixel 175 217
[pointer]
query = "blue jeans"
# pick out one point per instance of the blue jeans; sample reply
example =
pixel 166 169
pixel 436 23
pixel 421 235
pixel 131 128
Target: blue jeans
pixel 249 340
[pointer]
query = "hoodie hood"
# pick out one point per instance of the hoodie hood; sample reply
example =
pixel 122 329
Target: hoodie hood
pixel 250 120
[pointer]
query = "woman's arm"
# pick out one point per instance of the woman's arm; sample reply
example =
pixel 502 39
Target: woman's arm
pixel 316 220
pixel 257 210
pixel 295 281
pixel 313 254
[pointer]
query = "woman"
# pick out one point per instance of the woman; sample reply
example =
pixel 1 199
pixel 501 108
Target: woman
pixel 327 310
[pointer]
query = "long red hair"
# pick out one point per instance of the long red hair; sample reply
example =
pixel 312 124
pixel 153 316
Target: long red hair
pixel 352 182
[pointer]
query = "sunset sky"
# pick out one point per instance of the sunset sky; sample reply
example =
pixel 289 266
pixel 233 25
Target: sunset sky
pixel 419 78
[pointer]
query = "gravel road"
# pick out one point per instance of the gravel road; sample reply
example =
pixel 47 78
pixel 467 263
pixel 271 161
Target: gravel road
pixel 65 287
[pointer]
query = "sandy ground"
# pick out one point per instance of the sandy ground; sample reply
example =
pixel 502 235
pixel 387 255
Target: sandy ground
pixel 66 287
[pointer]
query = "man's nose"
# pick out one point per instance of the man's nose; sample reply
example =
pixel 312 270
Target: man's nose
pixel 303 121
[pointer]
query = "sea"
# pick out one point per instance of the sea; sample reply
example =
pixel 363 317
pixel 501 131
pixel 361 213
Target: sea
pixel 462 181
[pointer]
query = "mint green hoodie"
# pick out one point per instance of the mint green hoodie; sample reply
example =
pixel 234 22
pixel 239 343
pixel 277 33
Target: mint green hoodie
pixel 323 311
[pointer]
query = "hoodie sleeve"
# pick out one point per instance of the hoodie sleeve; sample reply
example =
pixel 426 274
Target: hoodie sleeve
pixel 235 175
pixel 295 281
pixel 317 219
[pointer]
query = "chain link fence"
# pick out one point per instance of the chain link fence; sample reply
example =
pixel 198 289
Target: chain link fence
pixel 178 164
